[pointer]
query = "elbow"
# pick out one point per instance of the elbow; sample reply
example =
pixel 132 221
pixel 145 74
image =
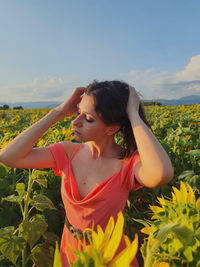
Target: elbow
pixel 4 159
pixel 155 177
pixel 164 178
pixel 165 172
pixel 168 174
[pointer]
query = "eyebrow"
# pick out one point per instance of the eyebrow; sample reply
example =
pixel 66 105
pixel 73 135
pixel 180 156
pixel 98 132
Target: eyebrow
pixel 87 112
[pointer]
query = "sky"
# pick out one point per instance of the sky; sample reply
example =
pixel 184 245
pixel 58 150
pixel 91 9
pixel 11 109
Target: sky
pixel 48 47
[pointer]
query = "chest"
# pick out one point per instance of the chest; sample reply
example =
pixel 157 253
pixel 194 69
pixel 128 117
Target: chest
pixel 90 173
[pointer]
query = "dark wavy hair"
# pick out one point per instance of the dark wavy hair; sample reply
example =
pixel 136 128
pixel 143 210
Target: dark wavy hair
pixel 111 98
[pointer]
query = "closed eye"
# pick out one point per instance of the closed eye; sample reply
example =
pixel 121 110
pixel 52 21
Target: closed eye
pixel 87 119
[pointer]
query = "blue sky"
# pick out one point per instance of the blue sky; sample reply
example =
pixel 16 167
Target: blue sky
pixel 49 47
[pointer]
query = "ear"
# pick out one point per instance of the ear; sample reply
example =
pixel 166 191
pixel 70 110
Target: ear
pixel 113 129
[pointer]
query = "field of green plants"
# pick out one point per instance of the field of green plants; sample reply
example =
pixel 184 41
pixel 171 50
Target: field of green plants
pixel 166 220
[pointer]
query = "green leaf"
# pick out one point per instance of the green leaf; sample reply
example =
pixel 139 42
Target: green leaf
pixel 57 259
pixel 188 254
pixel 173 245
pixel 195 153
pixel 3 170
pixel 13 198
pixel 11 246
pixel 194 182
pixel 184 234
pixel 38 227
pixel 32 230
pixel 141 222
pixel 40 177
pixel 50 236
pixel 25 229
pixel 20 188
pixel 1 259
pixel 42 255
pixel 162 234
pixel 158 240
pixel 184 174
pixel 6 230
pixel 41 202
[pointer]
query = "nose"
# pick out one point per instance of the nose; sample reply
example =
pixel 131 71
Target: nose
pixel 77 121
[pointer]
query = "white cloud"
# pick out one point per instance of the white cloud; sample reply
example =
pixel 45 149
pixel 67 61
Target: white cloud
pixel 191 71
pixel 154 84
pixel 150 83
pixel 49 88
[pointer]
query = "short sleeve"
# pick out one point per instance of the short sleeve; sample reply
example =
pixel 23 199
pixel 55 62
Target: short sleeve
pixel 128 175
pixel 60 157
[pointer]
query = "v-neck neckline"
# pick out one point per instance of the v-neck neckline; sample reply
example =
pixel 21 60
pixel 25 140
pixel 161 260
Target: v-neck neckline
pixel 95 188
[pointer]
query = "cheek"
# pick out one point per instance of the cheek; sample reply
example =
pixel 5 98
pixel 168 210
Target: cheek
pixel 97 130
pixel 90 127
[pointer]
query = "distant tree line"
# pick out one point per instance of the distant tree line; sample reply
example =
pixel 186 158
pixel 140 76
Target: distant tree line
pixel 6 107
pixel 145 103
pixel 151 103
pixel 18 107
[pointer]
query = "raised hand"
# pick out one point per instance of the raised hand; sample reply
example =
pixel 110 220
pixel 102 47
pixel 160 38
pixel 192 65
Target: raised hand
pixel 133 101
pixel 69 106
pixel 19 153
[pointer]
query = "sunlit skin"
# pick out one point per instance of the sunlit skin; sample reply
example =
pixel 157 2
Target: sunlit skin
pixel 89 127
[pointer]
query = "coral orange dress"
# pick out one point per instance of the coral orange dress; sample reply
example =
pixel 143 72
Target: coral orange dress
pixel 105 200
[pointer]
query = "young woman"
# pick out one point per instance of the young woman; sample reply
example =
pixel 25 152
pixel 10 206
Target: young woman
pixel 97 173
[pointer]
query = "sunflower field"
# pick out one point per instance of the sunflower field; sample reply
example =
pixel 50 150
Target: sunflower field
pixel 164 222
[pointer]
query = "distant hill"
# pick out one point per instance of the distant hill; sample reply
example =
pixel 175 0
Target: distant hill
pixel 186 100
pixel 32 105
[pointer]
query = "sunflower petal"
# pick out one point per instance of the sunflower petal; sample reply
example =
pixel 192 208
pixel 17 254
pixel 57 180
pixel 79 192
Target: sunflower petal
pixel 125 257
pixel 115 239
pixel 191 195
pixel 57 260
pixel 183 191
pixel 177 194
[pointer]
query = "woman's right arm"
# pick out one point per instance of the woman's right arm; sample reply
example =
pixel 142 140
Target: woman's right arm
pixel 19 153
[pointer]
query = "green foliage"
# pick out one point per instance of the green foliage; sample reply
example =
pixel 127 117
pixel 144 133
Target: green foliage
pixel 189 176
pixel 177 128
pixel 27 242
pixel 174 232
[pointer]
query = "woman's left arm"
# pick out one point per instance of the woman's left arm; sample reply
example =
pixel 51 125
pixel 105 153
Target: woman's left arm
pixel 155 168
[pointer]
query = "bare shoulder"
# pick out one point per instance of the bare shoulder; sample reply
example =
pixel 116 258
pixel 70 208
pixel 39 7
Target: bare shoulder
pixel 69 147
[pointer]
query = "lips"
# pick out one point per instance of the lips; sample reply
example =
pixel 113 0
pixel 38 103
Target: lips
pixel 76 132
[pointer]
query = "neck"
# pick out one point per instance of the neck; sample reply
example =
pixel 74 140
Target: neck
pixel 104 149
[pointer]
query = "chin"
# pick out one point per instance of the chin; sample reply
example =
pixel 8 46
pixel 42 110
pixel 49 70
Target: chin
pixel 79 138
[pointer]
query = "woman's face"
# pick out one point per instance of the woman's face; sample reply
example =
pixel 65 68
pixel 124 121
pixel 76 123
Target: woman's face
pixel 88 126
